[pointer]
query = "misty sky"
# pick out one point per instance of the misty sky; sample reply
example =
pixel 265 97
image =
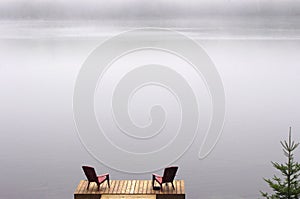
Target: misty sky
pixel 143 9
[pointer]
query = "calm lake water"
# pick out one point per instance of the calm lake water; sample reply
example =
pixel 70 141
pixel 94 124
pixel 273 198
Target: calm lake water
pixel 41 153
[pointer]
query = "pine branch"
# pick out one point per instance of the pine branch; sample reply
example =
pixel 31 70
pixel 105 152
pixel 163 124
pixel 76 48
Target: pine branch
pixel 287 187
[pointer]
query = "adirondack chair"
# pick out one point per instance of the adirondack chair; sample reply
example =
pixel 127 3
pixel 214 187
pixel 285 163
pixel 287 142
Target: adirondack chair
pixel 168 177
pixel 92 176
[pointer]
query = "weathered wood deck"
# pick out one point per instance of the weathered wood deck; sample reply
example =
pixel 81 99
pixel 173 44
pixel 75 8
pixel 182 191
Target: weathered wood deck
pixel 126 189
pixel 128 197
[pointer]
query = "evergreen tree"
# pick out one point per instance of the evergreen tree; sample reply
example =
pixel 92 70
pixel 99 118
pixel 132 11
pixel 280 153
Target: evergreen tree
pixel 287 187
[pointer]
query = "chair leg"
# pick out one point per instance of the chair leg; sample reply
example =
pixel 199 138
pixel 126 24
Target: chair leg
pixel 88 185
pixel 107 178
pixel 173 186
pixel 153 179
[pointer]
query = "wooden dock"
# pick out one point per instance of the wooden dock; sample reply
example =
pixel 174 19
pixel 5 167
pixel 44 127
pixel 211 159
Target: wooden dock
pixel 129 189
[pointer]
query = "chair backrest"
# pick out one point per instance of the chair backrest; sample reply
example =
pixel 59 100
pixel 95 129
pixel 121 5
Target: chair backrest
pixel 90 173
pixel 169 174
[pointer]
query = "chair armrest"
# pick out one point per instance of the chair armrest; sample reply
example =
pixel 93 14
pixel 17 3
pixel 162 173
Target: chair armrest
pixel 106 174
pixel 154 174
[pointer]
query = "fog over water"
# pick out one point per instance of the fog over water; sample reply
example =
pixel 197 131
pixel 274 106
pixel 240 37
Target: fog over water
pixel 56 18
pixel 254 46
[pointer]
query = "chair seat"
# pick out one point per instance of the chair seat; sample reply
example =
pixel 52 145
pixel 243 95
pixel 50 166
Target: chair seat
pixel 101 178
pixel 159 179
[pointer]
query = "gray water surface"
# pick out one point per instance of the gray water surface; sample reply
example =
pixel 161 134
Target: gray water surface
pixel 41 154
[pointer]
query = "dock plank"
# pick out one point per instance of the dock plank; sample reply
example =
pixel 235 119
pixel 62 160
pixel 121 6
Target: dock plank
pixel 112 185
pixel 124 186
pixel 121 184
pixel 83 187
pixel 140 187
pixel 176 186
pixel 128 187
pixel 128 197
pixel 91 187
pixel 148 191
pixel 179 186
pixel 182 186
pixel 115 188
pixel 137 186
pixel 95 188
pixel 144 187
pixel 133 183
pixel 78 187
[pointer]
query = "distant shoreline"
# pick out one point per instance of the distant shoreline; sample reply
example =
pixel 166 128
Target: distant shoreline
pixel 230 28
